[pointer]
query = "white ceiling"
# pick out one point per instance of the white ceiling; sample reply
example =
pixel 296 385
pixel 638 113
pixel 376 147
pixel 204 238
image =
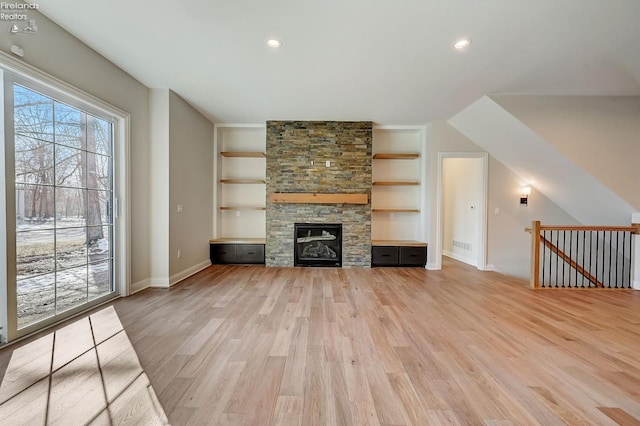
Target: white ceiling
pixel 391 62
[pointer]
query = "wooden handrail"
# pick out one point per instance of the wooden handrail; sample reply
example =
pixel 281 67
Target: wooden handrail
pixel 634 229
pixel 537 228
pixel 571 262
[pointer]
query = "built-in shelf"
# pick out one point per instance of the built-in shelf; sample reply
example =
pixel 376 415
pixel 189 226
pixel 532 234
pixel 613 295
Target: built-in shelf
pixel 315 198
pixel 242 181
pixel 243 154
pixel 394 156
pixel 400 243
pixel 396 183
pixel 395 210
pixel 237 208
pixel 237 241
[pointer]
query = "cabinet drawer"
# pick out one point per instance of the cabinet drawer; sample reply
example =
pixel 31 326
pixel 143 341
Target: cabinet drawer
pixel 222 253
pixel 384 255
pixel 413 256
pixel 250 253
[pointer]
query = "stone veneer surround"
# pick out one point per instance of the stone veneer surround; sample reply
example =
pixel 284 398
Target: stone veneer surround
pixel 291 148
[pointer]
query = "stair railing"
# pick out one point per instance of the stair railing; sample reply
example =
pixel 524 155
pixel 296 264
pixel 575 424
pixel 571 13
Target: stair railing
pixel 581 256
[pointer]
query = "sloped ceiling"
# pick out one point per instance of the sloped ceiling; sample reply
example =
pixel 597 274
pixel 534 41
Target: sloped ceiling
pixel 542 165
pixel 391 62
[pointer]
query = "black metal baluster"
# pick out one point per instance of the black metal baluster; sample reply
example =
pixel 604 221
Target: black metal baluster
pixel 544 247
pixel 556 257
pixel 617 248
pixel 597 254
pixel 604 260
pixel 630 256
pixel 564 251
pixel 584 236
pixel 571 258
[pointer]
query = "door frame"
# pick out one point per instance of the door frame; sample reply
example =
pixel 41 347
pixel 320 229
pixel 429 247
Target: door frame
pixel 122 206
pixel 482 244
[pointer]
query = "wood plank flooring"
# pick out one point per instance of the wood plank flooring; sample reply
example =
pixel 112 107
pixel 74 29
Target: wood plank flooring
pixel 82 372
pixel 249 345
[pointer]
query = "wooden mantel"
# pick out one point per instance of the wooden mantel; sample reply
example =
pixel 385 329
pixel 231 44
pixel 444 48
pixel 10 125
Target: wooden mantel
pixel 315 198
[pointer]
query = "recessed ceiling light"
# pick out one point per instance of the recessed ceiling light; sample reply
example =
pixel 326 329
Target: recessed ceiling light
pixel 462 43
pixel 274 43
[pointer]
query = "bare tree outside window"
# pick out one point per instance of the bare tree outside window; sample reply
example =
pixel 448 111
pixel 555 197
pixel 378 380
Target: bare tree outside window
pixel 63 173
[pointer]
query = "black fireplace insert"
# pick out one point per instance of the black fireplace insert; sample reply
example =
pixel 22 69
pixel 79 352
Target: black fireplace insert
pixel 317 244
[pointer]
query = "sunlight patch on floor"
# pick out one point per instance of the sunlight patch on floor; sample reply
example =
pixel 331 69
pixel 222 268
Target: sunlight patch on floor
pixel 84 373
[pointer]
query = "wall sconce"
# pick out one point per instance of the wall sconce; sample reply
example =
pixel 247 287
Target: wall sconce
pixel 524 199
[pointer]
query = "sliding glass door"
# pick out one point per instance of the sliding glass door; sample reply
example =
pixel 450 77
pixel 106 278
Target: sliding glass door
pixel 64 194
pixel 61 206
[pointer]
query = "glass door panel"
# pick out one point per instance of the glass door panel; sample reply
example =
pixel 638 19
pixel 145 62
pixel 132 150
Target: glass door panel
pixel 64 199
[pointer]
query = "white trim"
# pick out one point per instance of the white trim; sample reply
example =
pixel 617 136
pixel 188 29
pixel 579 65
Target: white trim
pixel 432 267
pixel 158 282
pixel 140 285
pixel 176 278
pixel 489 267
pixel 482 246
pixel 464 259
pixel 4 243
pixel 262 126
pixel 398 127
pixel 65 92
pixel 636 285
pixel 163 282
pixel 32 73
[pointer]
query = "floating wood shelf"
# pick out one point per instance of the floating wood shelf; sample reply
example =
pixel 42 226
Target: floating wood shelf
pixel 396 183
pixel 243 154
pixel 243 208
pixel 392 156
pixel 401 243
pixel 231 240
pixel 314 198
pixel 242 181
pixel 395 210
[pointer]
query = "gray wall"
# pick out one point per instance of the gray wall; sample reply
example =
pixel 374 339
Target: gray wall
pixel 181 173
pixel 508 246
pixel 191 185
pixel 601 134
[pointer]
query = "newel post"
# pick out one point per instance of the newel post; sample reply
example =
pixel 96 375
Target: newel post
pixel 535 254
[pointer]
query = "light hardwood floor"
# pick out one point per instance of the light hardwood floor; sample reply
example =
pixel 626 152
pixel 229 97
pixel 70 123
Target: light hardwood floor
pixel 250 345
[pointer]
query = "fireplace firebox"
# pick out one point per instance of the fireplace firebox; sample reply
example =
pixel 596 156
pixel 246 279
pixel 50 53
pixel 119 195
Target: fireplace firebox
pixel 317 244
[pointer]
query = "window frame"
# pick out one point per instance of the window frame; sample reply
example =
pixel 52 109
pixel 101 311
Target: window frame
pixel 16 71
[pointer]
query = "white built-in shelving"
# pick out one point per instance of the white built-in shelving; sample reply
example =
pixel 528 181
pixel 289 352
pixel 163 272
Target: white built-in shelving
pixel 240 190
pixel 397 194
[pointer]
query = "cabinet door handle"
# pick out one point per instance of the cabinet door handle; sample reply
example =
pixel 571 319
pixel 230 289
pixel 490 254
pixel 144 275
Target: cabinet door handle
pixel 386 255
pixel 251 252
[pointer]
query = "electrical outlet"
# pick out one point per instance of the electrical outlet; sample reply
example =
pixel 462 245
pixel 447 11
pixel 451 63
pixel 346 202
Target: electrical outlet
pixel 496 211
pixel 179 253
pixel 327 163
pixel 179 208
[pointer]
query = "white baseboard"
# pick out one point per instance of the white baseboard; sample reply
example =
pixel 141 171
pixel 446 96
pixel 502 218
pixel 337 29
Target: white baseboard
pixel 164 282
pixel 489 267
pixel 636 285
pixel 467 260
pixel 140 285
pixel 432 267
pixel 159 282
pixel 176 278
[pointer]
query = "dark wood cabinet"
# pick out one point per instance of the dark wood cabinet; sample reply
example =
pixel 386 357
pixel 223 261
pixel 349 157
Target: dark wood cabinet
pixel 398 253
pixel 384 255
pixel 221 252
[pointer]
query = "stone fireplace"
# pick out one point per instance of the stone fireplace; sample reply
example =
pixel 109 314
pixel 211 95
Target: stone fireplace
pixel 318 157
